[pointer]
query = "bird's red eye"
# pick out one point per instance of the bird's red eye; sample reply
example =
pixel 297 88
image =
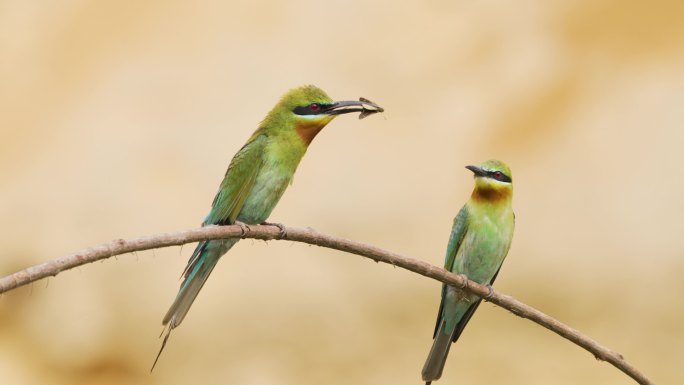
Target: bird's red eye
pixel 498 175
pixel 314 106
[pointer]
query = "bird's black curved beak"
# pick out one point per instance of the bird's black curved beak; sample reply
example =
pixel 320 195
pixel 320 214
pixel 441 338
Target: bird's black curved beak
pixel 364 106
pixel 477 171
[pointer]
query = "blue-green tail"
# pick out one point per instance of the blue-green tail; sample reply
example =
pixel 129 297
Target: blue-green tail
pixel 452 319
pixel 196 273
pixel 434 365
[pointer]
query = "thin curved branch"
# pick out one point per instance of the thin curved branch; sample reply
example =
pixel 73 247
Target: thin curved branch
pixel 312 237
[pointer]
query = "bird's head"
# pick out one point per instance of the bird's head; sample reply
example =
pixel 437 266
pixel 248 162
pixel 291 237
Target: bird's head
pixel 308 109
pixel 493 181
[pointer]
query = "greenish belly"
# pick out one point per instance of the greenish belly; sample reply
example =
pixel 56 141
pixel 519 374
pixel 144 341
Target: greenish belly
pixel 267 190
pixel 481 255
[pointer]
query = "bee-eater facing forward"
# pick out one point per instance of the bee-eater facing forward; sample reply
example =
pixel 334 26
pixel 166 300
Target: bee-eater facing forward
pixel 257 177
pixel 479 241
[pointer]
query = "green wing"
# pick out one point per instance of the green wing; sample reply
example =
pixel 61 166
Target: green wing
pixel 235 187
pixel 238 182
pixel 458 231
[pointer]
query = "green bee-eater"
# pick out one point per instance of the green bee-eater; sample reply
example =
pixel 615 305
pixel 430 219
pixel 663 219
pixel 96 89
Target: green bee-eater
pixel 479 241
pixel 257 177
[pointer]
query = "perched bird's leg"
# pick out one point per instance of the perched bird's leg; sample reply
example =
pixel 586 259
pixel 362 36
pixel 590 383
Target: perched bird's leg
pixel 490 293
pixel 464 295
pixel 244 228
pixel 283 232
pixel 465 281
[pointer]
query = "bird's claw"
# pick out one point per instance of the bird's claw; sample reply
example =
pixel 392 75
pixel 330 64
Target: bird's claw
pixel 464 285
pixel 244 228
pixel 490 292
pixel 282 233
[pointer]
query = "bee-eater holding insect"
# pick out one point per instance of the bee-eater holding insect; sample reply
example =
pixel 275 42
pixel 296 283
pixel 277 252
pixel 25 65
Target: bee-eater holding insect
pixel 256 179
pixel 479 241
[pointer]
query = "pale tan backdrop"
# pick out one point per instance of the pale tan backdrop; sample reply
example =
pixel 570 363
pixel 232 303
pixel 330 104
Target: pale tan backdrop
pixel 118 119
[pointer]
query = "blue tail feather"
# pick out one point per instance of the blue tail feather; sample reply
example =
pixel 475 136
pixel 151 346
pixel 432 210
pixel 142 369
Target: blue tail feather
pixel 196 273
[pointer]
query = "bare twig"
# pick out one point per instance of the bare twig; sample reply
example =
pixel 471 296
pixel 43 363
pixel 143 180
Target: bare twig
pixel 270 232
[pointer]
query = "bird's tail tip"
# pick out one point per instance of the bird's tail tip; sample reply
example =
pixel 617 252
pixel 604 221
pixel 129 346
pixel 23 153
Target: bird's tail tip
pixel 167 329
pixel 434 365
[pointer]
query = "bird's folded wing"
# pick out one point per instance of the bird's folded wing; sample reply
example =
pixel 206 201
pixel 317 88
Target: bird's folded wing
pixel 458 231
pixel 237 183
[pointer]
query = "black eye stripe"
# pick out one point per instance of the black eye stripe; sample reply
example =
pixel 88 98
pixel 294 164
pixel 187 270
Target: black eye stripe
pixel 500 177
pixel 311 109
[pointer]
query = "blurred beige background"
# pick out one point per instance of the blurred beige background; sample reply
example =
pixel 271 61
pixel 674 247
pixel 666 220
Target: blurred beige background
pixel 118 119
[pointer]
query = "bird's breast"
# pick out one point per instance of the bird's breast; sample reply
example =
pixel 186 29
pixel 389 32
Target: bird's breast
pixel 274 176
pixel 484 247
